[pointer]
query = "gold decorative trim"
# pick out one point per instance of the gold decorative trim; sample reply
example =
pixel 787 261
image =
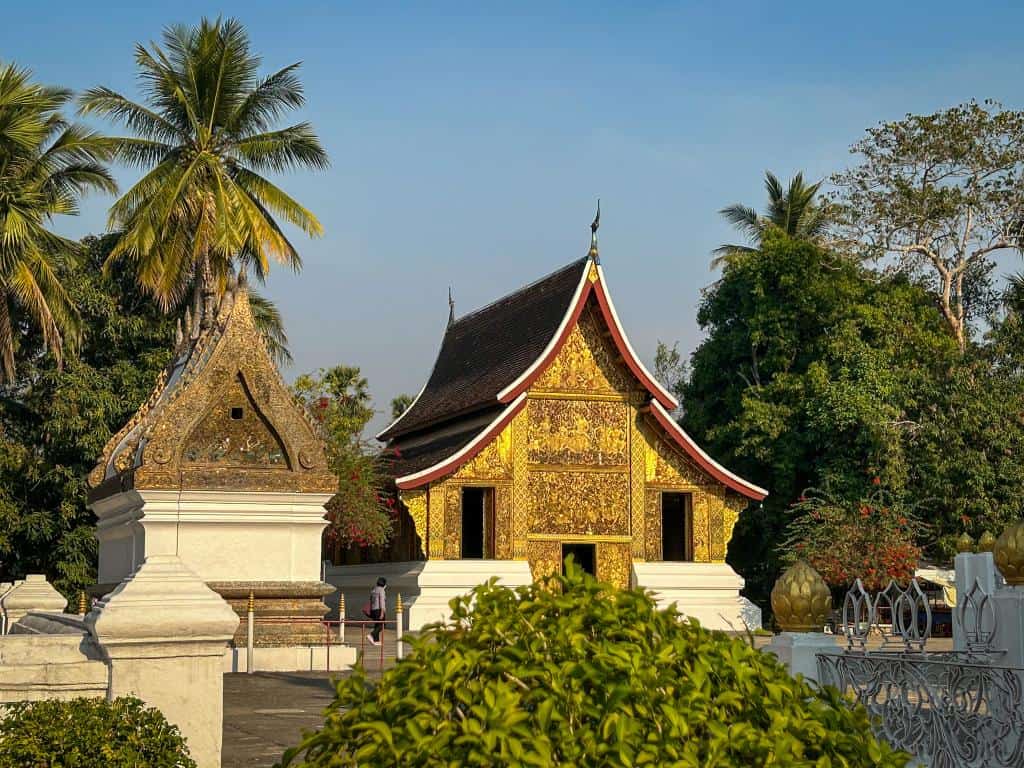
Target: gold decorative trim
pixel 579 538
pixel 615 469
pixel 593 397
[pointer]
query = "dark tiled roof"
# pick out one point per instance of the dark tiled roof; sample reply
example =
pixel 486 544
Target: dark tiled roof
pixel 485 351
pixel 419 457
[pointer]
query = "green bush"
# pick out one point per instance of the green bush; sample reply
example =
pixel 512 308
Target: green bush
pixel 89 733
pixel 576 673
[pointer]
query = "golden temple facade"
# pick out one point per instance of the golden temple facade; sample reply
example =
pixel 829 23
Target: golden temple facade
pixel 576 454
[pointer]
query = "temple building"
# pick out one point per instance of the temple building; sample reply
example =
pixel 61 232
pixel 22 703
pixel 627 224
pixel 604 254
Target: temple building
pixel 222 467
pixel 538 435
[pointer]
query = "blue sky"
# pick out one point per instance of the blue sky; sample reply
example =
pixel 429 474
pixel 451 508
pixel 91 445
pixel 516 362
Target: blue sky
pixel 469 141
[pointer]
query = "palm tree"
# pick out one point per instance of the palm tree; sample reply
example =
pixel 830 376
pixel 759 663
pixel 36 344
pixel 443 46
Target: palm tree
pixel 46 165
pixel 793 209
pixel 205 137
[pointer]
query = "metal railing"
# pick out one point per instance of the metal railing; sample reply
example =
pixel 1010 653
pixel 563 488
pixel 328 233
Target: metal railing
pixel 335 633
pixel 948 714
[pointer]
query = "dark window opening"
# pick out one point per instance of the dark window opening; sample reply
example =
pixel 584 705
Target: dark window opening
pixel 236 413
pixel 477 523
pixel 677 527
pixel 584 555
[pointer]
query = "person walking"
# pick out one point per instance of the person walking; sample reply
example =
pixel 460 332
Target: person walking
pixel 378 605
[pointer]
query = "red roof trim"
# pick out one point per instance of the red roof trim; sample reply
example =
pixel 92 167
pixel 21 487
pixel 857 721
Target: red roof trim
pixel 705 462
pixel 466 453
pixel 618 336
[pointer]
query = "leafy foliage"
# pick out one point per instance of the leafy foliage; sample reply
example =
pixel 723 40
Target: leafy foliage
pixel 90 733
pixel 56 420
pixel 205 135
pixel 945 191
pixel 46 165
pixel 793 209
pixel 816 372
pixel 873 538
pixel 359 514
pixel 573 672
pixel 399 404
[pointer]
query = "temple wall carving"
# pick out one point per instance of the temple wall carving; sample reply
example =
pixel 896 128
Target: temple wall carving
pixel 580 463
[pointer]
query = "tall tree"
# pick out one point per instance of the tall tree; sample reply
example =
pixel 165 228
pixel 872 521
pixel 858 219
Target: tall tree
pixel 400 404
pixel 56 419
pixel 46 165
pixel 794 209
pixel 814 373
pixel 943 191
pixel 205 136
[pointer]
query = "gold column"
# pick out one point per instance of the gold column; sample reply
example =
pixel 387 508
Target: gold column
pixel 435 511
pixel 520 481
pixel 637 480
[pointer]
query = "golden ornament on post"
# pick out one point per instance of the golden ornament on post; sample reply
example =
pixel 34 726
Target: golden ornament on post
pixel 986 542
pixel 965 543
pixel 83 603
pixel 1009 554
pixel 801 599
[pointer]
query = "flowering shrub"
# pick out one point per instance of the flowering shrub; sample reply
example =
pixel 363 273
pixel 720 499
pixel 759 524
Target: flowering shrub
pixel 359 513
pixel 872 538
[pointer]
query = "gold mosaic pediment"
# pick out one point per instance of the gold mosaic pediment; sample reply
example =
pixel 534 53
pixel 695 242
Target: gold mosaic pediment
pixel 578 432
pixel 587 363
pixel 221 418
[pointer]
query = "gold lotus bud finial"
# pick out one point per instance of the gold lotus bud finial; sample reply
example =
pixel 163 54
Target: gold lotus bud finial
pixel 398 603
pixel 252 602
pixel 1009 554
pixel 83 603
pixel 965 543
pixel 801 599
pixel 986 542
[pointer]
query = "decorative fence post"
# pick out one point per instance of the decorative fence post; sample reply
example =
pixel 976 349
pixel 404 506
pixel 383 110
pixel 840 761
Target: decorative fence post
pixel 250 634
pixel 975 578
pixel 1009 601
pixel 341 617
pixel 801 601
pixel 83 604
pixel 399 645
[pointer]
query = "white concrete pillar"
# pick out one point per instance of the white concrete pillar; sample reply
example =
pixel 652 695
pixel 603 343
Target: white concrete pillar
pixel 971 567
pixel 798 651
pixel 33 594
pixel 164 634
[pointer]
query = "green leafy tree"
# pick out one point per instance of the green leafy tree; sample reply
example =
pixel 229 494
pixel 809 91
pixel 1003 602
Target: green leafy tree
pixel 944 192
pixel 46 165
pixel 205 136
pixel 56 419
pixel 816 371
pixel 574 672
pixel 360 514
pixel 670 368
pixel 794 209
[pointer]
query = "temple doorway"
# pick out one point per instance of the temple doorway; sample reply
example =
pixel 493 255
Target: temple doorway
pixel 583 555
pixel 477 523
pixel 677 527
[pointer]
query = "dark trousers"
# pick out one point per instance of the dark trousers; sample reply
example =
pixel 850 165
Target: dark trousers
pixel 377 615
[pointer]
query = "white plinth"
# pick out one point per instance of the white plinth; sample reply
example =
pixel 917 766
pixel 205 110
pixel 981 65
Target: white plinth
pixel 221 535
pixel 797 650
pixel 1009 631
pixel 33 594
pixel 709 592
pixel 293 658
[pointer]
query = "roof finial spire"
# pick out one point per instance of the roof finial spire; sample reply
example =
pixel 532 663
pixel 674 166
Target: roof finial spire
pixel 451 308
pixel 593 234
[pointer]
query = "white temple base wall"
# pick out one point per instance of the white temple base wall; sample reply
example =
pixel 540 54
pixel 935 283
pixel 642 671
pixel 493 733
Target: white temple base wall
pixel 426 586
pixel 292 658
pixel 221 535
pixel 708 592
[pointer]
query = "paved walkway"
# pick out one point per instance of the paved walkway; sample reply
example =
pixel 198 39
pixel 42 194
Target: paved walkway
pixel 266 712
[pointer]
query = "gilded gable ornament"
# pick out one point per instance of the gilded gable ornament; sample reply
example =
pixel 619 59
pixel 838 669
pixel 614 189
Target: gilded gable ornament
pixel 577 432
pixel 586 362
pixel 220 417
